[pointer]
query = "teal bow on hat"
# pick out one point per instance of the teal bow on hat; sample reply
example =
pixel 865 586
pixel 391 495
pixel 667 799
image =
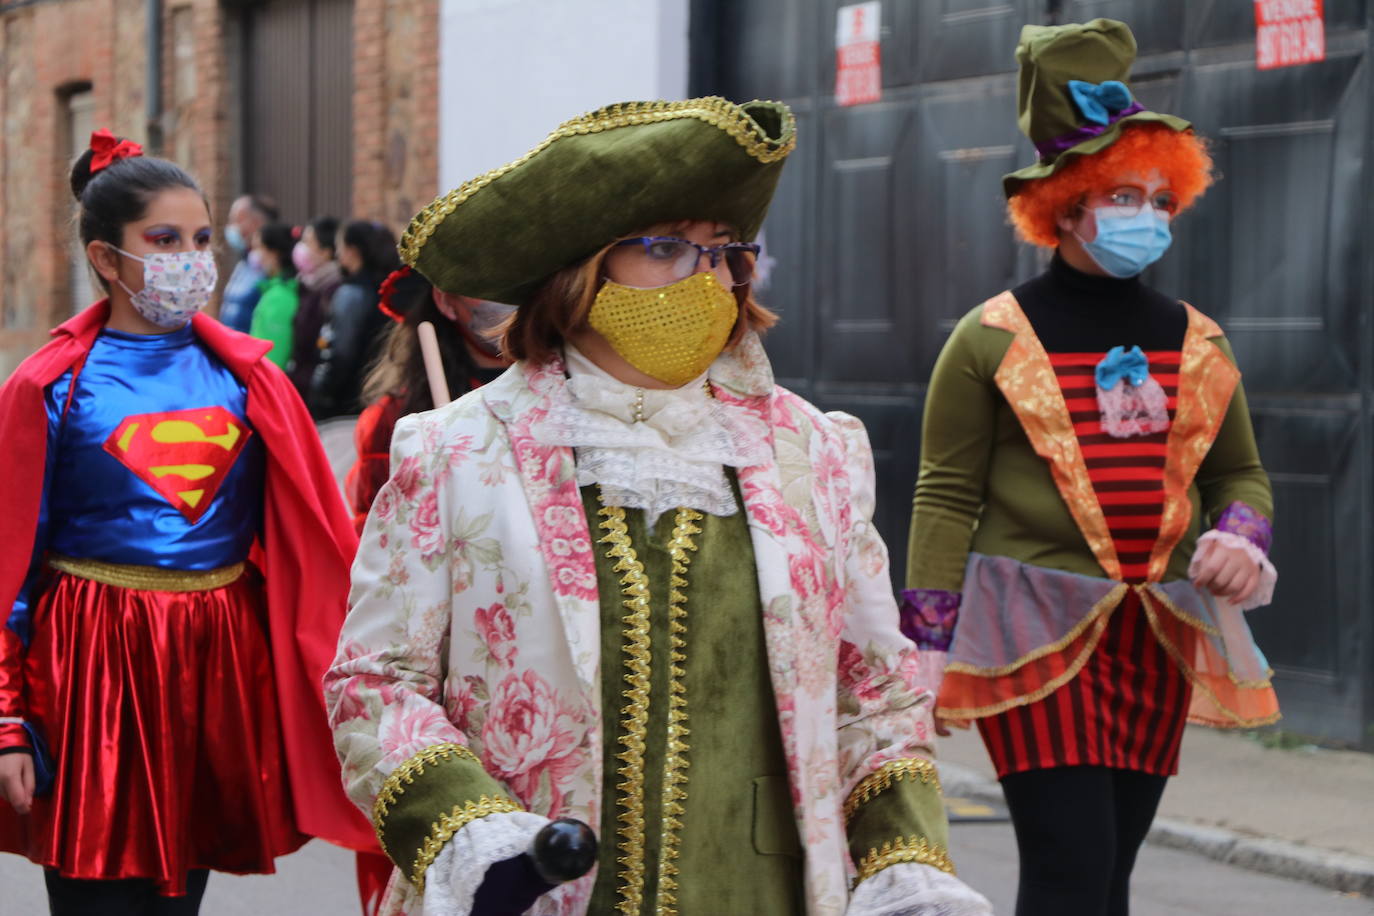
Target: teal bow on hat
pixel 1120 363
pixel 1099 101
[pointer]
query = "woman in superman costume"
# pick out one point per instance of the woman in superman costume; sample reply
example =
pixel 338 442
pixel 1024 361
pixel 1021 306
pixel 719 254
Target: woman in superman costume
pixel 174 579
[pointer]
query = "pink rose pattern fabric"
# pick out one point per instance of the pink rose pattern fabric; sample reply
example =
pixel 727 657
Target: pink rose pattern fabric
pixel 475 618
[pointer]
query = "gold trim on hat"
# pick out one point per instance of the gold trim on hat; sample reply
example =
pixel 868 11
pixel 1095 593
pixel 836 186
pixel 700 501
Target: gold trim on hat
pixel 714 110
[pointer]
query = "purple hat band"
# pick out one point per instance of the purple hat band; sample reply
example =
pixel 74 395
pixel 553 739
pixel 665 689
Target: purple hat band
pixel 1048 149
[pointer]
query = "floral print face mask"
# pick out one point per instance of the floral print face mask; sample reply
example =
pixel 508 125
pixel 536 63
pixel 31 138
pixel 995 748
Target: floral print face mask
pixel 176 285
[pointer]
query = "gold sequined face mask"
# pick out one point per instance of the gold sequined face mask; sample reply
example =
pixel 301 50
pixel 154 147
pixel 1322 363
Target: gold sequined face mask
pixel 672 333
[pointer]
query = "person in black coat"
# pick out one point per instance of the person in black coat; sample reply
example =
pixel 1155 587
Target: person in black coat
pixel 355 327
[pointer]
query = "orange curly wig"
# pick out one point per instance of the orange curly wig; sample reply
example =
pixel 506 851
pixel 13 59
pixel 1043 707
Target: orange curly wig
pixel 1180 156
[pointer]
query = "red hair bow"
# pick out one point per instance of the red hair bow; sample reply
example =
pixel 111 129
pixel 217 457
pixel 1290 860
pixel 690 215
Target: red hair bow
pixel 108 149
pixel 387 290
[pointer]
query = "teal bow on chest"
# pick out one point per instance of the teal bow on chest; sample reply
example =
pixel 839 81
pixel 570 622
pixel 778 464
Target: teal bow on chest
pixel 1120 363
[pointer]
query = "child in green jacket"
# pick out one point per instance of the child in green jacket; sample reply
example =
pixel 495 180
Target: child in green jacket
pixel 280 291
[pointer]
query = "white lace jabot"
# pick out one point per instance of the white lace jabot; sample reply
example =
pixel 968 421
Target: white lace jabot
pixel 651 449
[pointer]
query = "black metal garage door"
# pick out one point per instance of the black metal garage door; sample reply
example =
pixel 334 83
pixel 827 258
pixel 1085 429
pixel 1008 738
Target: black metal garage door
pixel 890 224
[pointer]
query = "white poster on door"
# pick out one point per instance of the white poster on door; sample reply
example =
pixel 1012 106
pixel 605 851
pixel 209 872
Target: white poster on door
pixel 858 70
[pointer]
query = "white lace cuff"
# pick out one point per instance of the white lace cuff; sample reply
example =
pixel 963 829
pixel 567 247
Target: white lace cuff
pixel 912 889
pixel 452 880
pixel 1264 592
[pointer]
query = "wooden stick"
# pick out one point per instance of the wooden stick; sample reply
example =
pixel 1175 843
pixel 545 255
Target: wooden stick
pixel 434 364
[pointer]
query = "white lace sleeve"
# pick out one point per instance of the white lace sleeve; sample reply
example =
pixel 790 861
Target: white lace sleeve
pixel 912 889
pixel 453 878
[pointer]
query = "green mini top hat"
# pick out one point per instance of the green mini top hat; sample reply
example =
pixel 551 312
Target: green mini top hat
pixel 1072 98
pixel 596 178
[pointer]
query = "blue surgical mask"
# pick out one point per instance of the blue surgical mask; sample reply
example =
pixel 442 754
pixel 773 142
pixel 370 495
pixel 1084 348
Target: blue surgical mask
pixel 1126 245
pixel 235 238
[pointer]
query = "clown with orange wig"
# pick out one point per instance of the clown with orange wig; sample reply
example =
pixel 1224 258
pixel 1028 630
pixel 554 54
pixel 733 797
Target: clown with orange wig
pixel 1091 517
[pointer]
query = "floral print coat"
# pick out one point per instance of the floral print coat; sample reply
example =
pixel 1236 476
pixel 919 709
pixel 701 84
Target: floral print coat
pixel 475 615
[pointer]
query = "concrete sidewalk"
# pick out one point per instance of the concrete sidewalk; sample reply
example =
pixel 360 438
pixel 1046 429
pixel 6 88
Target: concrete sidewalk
pixel 1305 813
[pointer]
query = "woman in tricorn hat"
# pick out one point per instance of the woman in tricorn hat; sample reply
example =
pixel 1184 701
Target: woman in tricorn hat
pixel 1091 507
pixel 633 582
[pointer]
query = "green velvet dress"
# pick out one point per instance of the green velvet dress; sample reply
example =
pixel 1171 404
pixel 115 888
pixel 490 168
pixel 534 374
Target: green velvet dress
pixel 738 850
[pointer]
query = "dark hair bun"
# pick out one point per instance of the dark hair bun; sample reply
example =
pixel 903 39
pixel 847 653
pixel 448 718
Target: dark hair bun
pixel 81 173
pixel 121 192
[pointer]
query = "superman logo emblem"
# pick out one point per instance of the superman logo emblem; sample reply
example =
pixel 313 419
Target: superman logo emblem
pixel 183 454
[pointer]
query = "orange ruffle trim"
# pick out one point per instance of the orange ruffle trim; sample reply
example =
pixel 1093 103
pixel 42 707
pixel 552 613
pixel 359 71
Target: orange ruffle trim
pixel 1219 698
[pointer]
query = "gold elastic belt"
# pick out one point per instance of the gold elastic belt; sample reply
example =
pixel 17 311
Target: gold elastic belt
pixel 147 578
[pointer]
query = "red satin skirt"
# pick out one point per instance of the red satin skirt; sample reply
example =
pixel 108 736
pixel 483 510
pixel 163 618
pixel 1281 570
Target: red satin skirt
pixel 160 713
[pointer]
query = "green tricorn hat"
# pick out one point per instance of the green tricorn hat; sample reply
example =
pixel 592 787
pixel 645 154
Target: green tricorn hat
pixel 1072 98
pixel 596 178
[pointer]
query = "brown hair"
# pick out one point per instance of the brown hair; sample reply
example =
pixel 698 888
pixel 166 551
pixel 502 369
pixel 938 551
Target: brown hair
pixel 560 307
pixel 399 369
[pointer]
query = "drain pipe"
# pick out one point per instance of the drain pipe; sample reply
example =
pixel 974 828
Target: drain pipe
pixel 152 90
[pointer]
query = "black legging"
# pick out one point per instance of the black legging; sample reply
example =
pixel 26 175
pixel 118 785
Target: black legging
pixel 1078 830
pixel 131 897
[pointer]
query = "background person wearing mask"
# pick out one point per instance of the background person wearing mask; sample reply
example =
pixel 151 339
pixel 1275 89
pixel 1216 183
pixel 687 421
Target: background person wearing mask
pixel 320 276
pixel 367 253
pixel 396 385
pixel 279 291
pixel 247 215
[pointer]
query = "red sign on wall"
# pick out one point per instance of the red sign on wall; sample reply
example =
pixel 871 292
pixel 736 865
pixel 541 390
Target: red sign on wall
pixel 858 70
pixel 1288 32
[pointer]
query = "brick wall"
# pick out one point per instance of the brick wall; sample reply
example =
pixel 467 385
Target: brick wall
pixel 197 132
pixel 395 108
pixel 48 47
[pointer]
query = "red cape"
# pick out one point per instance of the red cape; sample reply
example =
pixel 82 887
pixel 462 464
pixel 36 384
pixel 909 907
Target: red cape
pixel 307 544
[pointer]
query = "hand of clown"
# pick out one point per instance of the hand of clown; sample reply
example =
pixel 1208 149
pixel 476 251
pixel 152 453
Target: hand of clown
pixel 1227 572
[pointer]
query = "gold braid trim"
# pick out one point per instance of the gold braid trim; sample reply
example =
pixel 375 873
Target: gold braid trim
pixel 1104 607
pixel 1158 594
pixel 977 712
pixel 147 578
pixel 638 657
pixel 714 110
pixel 405 774
pixel 1192 675
pixel 442 830
pixel 635 712
pixel 680 549
pixel 910 849
pixel 912 768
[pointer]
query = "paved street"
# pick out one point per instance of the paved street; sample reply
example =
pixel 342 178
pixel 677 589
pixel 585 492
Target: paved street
pixel 1167 882
pixel 318 881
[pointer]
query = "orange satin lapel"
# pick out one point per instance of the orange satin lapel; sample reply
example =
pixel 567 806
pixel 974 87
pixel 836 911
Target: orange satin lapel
pixel 1206 381
pixel 1028 382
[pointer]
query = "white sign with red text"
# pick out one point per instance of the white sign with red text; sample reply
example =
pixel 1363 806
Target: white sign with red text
pixel 1288 32
pixel 858 71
